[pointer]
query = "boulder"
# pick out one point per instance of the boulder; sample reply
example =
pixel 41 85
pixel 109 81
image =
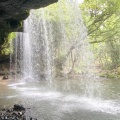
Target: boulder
pixel 18 107
pixel 16 113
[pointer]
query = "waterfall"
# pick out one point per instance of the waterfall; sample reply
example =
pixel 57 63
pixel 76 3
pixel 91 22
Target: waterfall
pixel 54 43
pixel 15 57
pixel 36 61
pixel 50 37
pixel 49 40
pixel 27 67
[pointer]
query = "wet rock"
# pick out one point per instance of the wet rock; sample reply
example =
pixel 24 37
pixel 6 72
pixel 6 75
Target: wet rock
pixel 17 10
pixel 18 112
pixel 18 107
pixel 5 77
pixel 12 14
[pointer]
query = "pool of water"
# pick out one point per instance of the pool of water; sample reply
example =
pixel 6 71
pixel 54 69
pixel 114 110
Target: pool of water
pixel 65 99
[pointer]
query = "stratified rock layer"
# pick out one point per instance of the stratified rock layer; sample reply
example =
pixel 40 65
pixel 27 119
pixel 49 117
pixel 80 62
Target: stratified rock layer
pixel 13 12
pixel 17 9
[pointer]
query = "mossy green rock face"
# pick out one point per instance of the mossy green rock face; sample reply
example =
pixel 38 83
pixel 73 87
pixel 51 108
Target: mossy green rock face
pixel 111 75
pixel 13 12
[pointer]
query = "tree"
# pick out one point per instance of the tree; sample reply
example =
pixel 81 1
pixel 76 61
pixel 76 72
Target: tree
pixel 103 21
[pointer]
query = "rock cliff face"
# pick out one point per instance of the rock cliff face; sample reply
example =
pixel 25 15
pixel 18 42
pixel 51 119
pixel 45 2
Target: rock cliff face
pixel 13 12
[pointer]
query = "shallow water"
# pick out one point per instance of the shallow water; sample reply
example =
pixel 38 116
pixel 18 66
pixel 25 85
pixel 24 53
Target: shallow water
pixel 65 99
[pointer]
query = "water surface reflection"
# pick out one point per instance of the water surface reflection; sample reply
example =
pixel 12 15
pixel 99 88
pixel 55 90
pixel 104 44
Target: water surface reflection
pixel 66 99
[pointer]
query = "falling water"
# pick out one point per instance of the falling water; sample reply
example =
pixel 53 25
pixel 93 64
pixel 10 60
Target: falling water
pixel 13 70
pixel 48 39
pixel 11 49
pixel 36 62
pixel 48 42
pixel 27 54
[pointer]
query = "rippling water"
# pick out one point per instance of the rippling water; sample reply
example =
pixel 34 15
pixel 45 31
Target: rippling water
pixel 65 99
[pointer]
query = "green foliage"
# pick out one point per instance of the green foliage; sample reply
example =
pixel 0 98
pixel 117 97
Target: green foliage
pixel 64 26
pixel 6 50
pixel 102 19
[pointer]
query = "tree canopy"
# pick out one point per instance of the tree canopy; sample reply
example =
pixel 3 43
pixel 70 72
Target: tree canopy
pixel 102 19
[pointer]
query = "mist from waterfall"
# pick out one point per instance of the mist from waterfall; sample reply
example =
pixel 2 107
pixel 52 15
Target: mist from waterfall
pixel 54 44
pixel 36 55
pixel 44 40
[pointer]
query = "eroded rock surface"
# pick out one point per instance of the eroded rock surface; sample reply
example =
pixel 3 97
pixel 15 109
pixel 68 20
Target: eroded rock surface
pixel 18 112
pixel 17 9
pixel 13 12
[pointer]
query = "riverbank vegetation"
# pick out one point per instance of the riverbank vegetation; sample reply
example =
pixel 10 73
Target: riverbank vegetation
pixel 102 20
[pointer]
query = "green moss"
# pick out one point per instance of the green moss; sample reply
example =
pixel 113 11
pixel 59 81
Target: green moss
pixel 102 75
pixel 108 74
pixel 6 50
pixel 111 76
pixel 118 76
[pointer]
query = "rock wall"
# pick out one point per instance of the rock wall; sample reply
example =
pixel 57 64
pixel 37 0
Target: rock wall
pixel 13 12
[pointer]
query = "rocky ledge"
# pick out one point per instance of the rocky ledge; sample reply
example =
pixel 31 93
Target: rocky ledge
pixel 18 112
pixel 13 12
